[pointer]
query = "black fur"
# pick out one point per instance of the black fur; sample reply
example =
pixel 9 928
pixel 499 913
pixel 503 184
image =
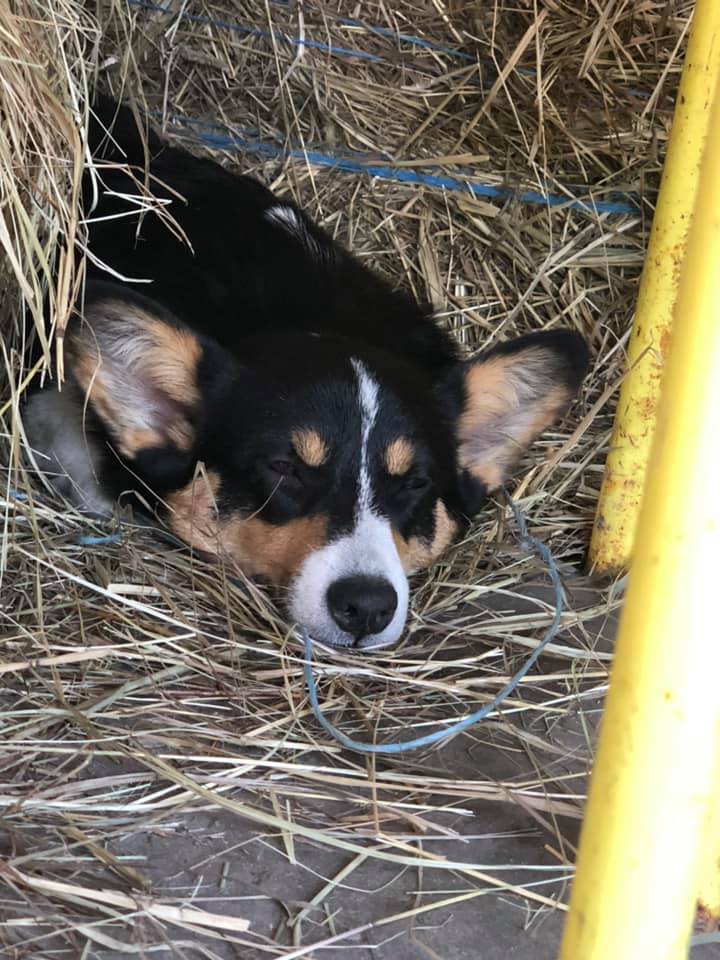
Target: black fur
pixel 243 272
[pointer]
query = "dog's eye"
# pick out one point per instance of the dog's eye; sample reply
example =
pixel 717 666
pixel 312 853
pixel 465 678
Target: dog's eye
pixel 417 482
pixel 284 470
pixel 283 488
pixel 282 467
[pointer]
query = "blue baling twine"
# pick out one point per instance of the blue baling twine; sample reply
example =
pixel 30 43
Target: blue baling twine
pixel 84 540
pixel 527 542
pixel 257 32
pixel 333 50
pixel 97 540
pixel 349 52
pixel 625 207
pixel 226 141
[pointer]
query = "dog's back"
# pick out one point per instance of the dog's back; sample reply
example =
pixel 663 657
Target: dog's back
pixel 242 262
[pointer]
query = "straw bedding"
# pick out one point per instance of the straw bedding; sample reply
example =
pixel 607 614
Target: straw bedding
pixel 138 684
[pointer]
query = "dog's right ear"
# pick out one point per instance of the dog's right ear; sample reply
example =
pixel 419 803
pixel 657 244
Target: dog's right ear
pixel 510 395
pixel 138 367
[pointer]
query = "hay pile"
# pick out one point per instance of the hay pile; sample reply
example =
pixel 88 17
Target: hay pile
pixel 138 686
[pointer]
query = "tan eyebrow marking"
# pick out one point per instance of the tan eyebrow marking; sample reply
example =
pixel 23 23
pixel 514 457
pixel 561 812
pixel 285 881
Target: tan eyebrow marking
pixel 399 456
pixel 310 447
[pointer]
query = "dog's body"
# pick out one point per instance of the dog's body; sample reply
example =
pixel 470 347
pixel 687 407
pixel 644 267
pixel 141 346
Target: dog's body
pixel 275 401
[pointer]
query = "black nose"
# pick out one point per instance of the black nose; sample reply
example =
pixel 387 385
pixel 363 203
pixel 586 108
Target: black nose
pixel 362 605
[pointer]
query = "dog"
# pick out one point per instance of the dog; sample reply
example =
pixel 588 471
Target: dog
pixel 275 402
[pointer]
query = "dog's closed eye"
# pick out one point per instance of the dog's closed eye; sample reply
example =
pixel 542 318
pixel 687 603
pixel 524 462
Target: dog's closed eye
pixel 416 482
pixel 281 476
pixel 283 469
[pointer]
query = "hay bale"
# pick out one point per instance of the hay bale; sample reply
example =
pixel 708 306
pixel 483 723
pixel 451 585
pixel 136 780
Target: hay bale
pixel 43 63
pixel 423 136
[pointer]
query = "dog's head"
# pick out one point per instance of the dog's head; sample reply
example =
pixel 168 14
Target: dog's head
pixel 316 463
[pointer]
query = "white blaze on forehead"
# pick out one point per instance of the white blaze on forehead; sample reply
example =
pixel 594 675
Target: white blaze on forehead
pixel 368 550
pixel 368 402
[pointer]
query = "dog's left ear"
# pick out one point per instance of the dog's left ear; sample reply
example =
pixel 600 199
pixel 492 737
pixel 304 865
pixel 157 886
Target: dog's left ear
pixel 510 395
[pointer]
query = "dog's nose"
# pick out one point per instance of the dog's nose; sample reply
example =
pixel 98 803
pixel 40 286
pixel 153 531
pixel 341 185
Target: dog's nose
pixel 362 605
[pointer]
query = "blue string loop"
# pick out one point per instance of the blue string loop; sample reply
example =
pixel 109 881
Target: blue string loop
pixel 528 543
pixel 99 540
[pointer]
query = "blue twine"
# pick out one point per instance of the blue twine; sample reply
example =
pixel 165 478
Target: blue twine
pixel 86 540
pixel 96 540
pixel 257 32
pixel 364 164
pixel 230 142
pixel 527 542
pixel 314 44
pixel 408 38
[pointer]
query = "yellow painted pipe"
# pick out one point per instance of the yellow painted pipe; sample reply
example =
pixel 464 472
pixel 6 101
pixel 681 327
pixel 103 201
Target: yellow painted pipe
pixel 640 862
pixel 709 875
pixel 619 505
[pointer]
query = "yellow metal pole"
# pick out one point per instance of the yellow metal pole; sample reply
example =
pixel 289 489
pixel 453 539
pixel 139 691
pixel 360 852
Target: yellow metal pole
pixel 709 876
pixel 619 505
pixel 640 863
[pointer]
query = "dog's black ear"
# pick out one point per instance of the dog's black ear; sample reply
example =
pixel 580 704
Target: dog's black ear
pixel 138 366
pixel 510 395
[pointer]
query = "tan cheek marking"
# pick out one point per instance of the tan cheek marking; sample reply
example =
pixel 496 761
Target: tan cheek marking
pixel 193 513
pixel 310 447
pixel 273 551
pixel 416 554
pixel 258 548
pixel 399 457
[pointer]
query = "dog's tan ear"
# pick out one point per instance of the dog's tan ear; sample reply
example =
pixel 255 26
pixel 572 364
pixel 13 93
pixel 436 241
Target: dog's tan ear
pixel 138 367
pixel 511 395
